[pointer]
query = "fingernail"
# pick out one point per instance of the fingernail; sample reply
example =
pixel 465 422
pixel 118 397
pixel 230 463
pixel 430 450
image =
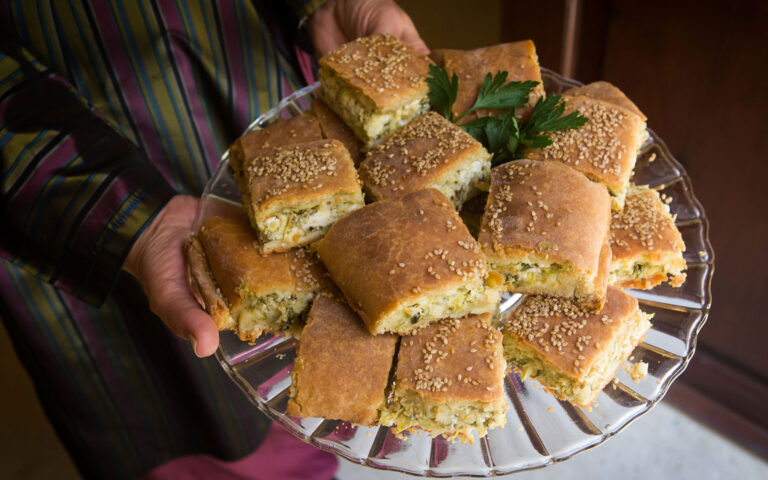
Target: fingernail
pixel 193 341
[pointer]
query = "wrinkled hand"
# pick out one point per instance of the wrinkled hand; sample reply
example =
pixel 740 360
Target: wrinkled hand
pixel 340 21
pixel 157 261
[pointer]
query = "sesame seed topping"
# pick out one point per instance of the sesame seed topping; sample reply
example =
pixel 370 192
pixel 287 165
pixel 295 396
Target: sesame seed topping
pixel 397 161
pixel 381 61
pixel 439 340
pixel 297 164
pixel 302 266
pixel 643 220
pixel 597 143
pixel 530 321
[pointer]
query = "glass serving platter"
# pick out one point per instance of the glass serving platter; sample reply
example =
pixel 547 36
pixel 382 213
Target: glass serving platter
pixel 540 430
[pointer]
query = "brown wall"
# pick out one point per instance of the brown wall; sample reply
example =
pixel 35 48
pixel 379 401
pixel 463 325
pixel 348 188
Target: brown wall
pixel 456 23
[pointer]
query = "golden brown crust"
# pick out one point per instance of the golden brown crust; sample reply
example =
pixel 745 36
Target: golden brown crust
pixel 381 68
pixel 547 208
pixel 204 286
pixel 296 173
pixel 471 66
pixel 415 156
pixel 334 127
pixel 677 280
pixel 344 370
pixel 607 92
pixel 299 129
pixel 605 148
pixel 647 282
pixel 601 280
pixel 644 227
pixel 570 338
pixel 236 262
pixel 453 360
pixel 394 250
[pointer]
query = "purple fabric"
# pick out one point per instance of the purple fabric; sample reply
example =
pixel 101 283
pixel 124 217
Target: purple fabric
pixel 281 456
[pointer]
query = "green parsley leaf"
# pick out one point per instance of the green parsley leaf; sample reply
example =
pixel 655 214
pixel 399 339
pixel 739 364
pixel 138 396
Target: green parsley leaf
pixel 499 130
pixel 442 90
pixel 547 117
pixel 494 94
pixel 511 95
pixel 513 142
pixel 476 128
pixel 501 135
pixel 536 141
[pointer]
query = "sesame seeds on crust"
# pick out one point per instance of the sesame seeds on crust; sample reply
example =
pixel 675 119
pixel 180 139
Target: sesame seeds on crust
pixel 606 92
pixel 381 66
pixel 644 222
pixel 307 170
pixel 283 132
pixel 453 359
pixel 298 164
pixel 363 250
pixel 566 335
pixel 546 207
pixel 596 143
pixel 605 148
pixel 415 155
pixel 307 269
pixel 237 263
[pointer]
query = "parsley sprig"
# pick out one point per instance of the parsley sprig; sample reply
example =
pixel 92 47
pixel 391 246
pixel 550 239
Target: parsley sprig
pixel 442 90
pixel 502 135
pixel 495 93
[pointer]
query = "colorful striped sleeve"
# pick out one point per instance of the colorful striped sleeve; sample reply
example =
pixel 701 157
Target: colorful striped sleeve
pixel 75 193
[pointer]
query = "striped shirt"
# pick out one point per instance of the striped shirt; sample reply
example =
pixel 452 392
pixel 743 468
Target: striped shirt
pixel 107 109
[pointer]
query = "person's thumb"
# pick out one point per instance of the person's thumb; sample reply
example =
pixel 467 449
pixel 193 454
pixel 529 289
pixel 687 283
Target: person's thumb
pixel 412 38
pixel 396 22
pixel 181 312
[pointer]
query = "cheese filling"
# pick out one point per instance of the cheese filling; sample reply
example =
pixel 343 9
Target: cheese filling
pixel 277 312
pixel 466 181
pixel 361 115
pixel 449 418
pixel 463 300
pixel 584 389
pixel 525 274
pixel 536 274
pixel 617 199
pixel 643 267
pixel 292 226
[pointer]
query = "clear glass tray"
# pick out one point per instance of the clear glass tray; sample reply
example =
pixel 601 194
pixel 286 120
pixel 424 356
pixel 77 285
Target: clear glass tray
pixel 540 429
